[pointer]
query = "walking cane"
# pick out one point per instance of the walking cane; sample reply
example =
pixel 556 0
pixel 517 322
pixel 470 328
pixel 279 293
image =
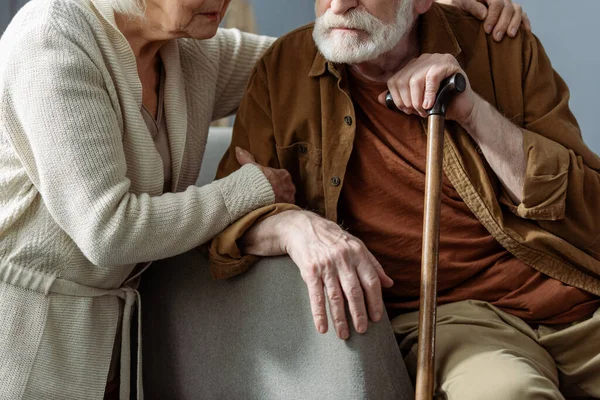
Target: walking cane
pixel 431 232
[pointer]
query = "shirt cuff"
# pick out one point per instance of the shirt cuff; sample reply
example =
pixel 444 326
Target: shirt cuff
pixel 546 179
pixel 226 258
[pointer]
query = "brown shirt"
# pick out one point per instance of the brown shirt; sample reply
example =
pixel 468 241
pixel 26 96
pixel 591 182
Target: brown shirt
pixel 382 204
pixel 297 114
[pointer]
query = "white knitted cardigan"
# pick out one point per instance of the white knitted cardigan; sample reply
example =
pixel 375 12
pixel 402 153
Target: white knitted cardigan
pixel 81 184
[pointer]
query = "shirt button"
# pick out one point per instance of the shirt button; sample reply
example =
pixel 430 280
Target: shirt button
pixel 335 181
pixel 302 149
pixel 348 120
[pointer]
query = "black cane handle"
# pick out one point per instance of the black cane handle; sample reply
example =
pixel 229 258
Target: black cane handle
pixel 448 88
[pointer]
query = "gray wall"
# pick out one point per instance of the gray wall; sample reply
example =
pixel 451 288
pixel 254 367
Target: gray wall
pixel 568 31
pixel 7 9
pixel 567 28
pixel 276 17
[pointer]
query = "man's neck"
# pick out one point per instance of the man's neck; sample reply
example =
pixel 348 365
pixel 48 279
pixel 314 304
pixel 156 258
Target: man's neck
pixel 386 65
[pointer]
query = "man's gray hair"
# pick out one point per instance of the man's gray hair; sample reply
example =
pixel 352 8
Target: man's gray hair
pixel 130 8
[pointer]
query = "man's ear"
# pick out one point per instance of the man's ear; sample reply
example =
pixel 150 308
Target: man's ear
pixel 422 6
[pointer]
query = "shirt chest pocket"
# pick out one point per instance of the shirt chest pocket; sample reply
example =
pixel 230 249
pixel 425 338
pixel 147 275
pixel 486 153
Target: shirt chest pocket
pixel 304 162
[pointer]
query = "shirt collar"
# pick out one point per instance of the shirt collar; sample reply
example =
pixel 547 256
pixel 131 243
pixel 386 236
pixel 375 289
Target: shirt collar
pixel 319 65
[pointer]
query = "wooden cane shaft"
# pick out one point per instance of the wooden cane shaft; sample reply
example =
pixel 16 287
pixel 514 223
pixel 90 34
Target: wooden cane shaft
pixel 429 263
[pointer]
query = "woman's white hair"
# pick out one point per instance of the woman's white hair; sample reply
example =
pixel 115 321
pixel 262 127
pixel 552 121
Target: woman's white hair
pixel 130 8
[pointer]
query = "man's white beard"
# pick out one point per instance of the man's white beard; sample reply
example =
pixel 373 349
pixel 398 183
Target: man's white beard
pixel 375 39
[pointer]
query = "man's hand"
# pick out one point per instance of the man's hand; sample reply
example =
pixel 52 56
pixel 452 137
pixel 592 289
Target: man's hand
pixel 328 258
pixel 499 16
pixel 280 179
pixel 414 89
pixel 415 86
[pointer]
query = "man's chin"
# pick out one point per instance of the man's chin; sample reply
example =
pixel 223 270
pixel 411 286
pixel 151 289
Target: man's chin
pixel 347 58
pixel 345 54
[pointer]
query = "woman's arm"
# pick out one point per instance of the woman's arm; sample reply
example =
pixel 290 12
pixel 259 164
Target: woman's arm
pixel 234 53
pixel 56 110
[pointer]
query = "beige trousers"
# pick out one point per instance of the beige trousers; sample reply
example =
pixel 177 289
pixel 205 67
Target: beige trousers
pixel 485 353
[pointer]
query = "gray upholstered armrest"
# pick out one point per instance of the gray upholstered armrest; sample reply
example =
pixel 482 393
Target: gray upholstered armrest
pixel 218 142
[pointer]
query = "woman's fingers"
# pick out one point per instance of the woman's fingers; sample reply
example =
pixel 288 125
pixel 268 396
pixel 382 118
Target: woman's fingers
pixel 516 20
pixel 504 21
pixel 281 183
pixel 474 8
pixel 280 179
pixel 500 16
pixel 495 8
pixel 244 157
pixel 526 22
pixel 283 186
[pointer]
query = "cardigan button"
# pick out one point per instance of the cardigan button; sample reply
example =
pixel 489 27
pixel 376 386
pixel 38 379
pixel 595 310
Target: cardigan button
pixel 348 120
pixel 335 181
pixel 302 149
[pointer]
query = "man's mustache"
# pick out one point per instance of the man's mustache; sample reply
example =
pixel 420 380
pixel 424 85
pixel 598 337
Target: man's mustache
pixel 358 19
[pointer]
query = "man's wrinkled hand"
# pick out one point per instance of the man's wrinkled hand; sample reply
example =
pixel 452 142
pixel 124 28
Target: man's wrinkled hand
pixel 337 266
pixel 414 87
pixel 500 16
pixel 280 179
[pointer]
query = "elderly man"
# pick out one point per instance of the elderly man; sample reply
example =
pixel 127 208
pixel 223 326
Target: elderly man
pixel 520 231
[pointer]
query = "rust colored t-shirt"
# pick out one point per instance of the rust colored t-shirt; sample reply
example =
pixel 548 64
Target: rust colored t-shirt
pixel 382 204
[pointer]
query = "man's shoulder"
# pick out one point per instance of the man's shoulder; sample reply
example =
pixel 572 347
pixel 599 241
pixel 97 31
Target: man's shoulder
pixel 456 15
pixel 295 49
pixel 464 26
pixel 470 33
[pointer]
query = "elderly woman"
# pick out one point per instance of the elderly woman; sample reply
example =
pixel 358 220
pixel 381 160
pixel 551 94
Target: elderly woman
pixel 104 113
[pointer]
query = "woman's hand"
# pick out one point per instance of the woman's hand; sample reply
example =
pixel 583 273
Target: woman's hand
pixel 499 16
pixel 280 179
pixel 331 259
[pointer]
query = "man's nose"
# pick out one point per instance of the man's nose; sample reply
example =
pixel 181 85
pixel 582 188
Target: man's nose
pixel 340 7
